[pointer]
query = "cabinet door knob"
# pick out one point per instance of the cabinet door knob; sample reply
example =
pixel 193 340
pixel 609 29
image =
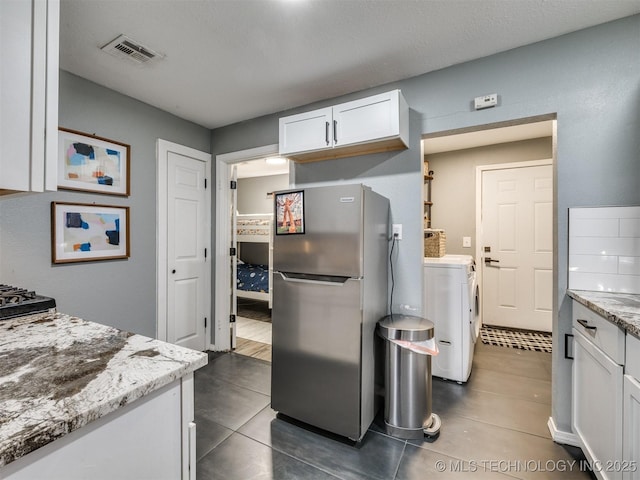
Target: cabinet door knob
pixel 335 131
pixel 173 271
pixel 326 132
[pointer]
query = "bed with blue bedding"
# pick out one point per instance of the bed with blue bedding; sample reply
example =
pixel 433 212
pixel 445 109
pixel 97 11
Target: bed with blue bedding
pixel 253 278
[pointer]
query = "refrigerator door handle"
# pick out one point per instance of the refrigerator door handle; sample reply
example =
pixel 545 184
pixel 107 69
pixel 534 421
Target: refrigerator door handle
pixel 314 279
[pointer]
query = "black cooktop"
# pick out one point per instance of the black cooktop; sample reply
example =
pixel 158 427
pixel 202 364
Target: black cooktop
pixel 15 302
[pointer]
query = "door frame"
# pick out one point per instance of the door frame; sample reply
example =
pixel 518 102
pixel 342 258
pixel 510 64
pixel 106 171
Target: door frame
pixel 479 254
pixel 163 147
pixel 222 290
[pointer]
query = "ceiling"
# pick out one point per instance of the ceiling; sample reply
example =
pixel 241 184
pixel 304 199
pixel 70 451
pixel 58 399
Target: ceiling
pixel 225 61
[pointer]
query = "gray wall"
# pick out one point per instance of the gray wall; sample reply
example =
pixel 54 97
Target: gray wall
pixel 252 192
pixel 453 189
pixel 120 293
pixel 591 79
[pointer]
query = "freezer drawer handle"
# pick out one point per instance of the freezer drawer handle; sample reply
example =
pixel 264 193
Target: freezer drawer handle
pixel 320 280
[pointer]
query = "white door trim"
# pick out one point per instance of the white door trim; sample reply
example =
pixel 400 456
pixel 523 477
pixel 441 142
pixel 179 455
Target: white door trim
pixel 222 337
pixel 479 239
pixel 163 147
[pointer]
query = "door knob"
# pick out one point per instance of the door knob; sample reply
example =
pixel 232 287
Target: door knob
pixel 489 261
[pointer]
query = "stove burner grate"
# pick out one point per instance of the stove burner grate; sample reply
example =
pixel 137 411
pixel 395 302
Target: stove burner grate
pixel 20 301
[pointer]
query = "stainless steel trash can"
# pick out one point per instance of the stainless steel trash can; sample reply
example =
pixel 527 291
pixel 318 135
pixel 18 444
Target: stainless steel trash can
pixel 407 378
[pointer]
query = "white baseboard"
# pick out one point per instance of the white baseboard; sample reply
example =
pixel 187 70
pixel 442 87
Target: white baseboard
pixel 560 436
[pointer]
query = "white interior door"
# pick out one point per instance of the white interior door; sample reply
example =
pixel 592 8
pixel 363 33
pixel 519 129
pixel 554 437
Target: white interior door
pixel 517 241
pixel 184 296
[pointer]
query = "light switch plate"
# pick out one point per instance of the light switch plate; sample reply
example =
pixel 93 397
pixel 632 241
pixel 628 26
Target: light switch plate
pixel 466 242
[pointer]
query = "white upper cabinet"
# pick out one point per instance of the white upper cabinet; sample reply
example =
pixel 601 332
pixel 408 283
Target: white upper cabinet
pixel 374 124
pixel 306 132
pixel 29 47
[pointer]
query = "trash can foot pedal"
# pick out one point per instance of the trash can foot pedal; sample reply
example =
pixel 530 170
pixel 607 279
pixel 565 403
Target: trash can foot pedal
pixel 433 428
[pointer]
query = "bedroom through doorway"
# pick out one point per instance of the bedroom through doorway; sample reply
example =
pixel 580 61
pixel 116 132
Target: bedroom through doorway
pixel 256 182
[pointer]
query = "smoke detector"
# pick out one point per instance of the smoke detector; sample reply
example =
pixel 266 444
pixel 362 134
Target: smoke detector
pixel 125 48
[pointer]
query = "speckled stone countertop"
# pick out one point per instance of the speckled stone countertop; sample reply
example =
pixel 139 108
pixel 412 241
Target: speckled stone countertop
pixel 58 373
pixel 622 309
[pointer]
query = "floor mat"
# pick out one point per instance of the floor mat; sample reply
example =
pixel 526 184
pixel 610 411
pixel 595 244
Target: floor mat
pixel 522 339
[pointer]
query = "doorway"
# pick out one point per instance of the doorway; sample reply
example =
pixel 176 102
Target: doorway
pixel 243 217
pixel 455 158
pixel 256 182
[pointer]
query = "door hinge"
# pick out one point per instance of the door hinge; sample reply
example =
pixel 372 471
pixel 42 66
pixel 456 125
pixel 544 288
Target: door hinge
pixel 234 185
pixel 205 322
pixel 205 253
pixel 232 318
pixel 232 251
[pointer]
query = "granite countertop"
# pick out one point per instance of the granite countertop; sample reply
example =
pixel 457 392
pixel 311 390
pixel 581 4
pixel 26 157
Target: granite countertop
pixel 622 309
pixel 58 373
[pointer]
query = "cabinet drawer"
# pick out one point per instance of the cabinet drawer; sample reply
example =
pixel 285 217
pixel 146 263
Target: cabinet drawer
pixel 632 361
pixel 605 335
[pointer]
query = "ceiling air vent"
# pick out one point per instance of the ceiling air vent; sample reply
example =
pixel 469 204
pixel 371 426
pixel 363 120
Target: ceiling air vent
pixel 124 47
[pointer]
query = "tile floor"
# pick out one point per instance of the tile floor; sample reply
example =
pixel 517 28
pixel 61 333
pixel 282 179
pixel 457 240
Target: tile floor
pixel 495 426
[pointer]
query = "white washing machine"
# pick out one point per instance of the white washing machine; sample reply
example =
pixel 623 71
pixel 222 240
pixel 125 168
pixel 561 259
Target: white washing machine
pixel 451 302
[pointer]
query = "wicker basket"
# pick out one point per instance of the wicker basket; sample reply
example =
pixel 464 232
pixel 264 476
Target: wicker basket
pixel 434 242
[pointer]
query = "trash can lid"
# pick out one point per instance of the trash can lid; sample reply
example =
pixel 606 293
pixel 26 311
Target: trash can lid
pixel 405 327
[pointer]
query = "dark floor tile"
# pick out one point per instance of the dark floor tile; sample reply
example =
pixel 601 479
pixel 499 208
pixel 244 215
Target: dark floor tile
pixel 523 363
pixel 450 399
pixel 241 458
pixel 510 385
pixel 503 450
pixel 421 464
pixel 213 355
pixel 240 370
pixel 209 435
pixel 226 404
pixel 377 457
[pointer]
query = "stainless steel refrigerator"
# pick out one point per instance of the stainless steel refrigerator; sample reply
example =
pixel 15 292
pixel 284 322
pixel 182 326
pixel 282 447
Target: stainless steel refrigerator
pixel 330 257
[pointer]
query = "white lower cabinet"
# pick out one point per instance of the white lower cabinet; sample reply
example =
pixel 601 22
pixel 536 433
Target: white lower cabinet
pixel 598 391
pixel 152 437
pixel 631 428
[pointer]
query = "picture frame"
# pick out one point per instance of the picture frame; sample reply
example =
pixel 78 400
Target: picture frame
pixel 289 212
pixel 82 232
pixel 92 164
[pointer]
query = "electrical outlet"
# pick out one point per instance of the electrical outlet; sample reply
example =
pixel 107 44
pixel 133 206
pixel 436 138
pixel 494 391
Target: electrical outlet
pixel 466 242
pixel 397 231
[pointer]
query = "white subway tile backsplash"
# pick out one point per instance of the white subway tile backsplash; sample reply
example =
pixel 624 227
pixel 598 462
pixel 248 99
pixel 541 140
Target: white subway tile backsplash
pixel 602 282
pixel 591 227
pixel 629 265
pixel 593 263
pixel 604 249
pixel 605 212
pixel 604 246
pixel 630 227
